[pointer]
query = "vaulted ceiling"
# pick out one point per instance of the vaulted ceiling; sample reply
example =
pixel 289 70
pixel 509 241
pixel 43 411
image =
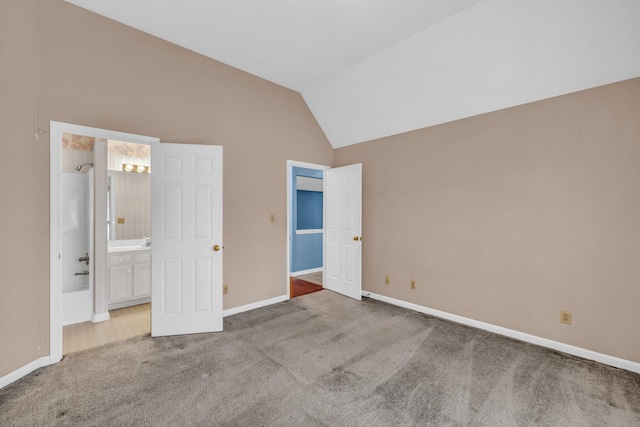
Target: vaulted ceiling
pixel 374 68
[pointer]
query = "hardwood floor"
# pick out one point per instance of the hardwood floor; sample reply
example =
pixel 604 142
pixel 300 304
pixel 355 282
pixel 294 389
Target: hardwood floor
pixel 315 277
pixel 300 287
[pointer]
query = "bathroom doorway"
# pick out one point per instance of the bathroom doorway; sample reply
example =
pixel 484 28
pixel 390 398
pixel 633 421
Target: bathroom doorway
pixel 128 217
pixel 198 169
pixel 82 252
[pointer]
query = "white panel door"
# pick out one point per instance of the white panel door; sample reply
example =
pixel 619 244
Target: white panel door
pixel 186 239
pixel 343 230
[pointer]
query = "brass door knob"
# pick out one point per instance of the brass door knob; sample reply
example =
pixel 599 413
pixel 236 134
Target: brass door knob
pixel 357 238
pixel 216 248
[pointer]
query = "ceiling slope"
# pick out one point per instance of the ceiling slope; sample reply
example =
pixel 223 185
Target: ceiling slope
pixel 494 55
pixel 293 43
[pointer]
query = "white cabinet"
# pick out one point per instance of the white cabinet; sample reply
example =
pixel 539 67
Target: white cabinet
pixel 141 275
pixel 129 278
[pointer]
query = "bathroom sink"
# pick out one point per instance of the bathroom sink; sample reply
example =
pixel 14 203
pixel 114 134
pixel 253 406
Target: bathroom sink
pixel 128 248
pixel 128 245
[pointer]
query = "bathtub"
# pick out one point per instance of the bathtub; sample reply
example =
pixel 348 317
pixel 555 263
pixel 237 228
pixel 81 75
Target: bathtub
pixel 77 290
pixel 77 306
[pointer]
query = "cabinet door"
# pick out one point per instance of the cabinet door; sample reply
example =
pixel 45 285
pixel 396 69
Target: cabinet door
pixel 142 279
pixel 120 282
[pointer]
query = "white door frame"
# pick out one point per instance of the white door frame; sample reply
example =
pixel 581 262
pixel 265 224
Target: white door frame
pixel 55 175
pixel 290 165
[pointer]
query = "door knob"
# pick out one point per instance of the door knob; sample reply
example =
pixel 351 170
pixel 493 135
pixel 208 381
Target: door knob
pixel 357 238
pixel 216 248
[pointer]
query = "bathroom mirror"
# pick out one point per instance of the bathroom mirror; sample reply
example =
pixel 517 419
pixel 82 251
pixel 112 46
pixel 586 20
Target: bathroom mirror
pixel 129 205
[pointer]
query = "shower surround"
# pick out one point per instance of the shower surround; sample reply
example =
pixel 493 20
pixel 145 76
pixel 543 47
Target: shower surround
pixel 77 283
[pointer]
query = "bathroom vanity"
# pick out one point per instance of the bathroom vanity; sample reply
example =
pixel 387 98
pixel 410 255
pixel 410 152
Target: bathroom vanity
pixel 129 273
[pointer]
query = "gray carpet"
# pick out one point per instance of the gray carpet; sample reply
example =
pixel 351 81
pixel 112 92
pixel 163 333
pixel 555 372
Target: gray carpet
pixel 323 359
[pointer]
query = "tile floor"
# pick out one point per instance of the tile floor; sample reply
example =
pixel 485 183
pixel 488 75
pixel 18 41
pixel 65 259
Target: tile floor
pixel 124 323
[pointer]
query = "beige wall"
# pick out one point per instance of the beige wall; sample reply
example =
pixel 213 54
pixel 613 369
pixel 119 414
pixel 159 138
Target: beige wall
pixel 24 211
pixel 512 216
pixel 62 63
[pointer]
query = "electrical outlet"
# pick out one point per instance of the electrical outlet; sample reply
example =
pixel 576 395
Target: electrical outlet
pixel 225 289
pixel 386 280
pixel 565 317
pixel 413 284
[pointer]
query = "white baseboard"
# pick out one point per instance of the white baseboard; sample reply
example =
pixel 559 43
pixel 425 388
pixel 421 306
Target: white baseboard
pixel 25 370
pixel 101 317
pixel 303 272
pixel 544 342
pixel 253 306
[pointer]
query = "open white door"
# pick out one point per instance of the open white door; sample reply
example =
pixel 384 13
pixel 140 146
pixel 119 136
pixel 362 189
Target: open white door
pixel 186 246
pixel 343 230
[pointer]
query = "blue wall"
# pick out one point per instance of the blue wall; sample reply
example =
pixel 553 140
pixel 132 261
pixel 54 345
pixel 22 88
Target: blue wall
pixel 309 212
pixel 306 249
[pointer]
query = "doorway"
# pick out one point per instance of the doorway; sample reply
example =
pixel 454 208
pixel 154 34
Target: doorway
pixel 98 259
pixel 186 210
pixel 128 223
pixel 305 227
pixel 341 231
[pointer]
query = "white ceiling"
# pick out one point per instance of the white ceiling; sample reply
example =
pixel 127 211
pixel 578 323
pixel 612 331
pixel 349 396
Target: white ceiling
pixel 369 69
pixel 494 55
pixel 294 43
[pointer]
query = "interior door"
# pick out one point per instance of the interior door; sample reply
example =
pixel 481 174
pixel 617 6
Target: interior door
pixel 186 239
pixel 343 230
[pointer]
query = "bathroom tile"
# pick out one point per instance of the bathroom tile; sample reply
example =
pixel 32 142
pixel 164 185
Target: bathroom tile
pixel 124 323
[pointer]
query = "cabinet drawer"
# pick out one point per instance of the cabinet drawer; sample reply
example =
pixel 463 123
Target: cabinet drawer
pixel 140 258
pixel 120 259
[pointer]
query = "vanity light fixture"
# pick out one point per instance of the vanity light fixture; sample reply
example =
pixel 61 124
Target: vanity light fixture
pixel 127 167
